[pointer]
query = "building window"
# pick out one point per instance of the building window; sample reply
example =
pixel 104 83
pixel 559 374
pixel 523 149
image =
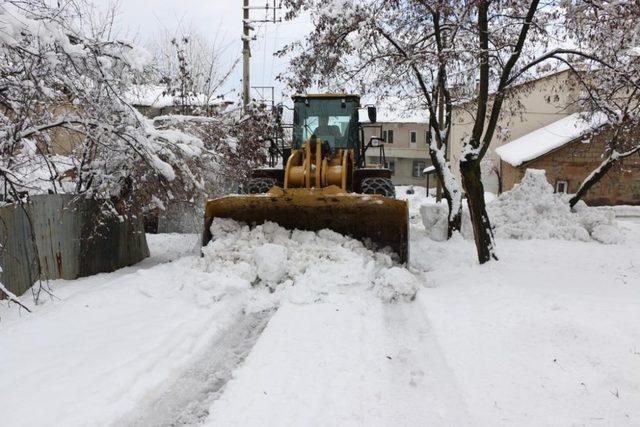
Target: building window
pixel 391 165
pixel 418 167
pixel 413 138
pixel 562 186
pixel 387 135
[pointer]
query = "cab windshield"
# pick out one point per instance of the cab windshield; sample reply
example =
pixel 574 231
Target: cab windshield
pixel 332 120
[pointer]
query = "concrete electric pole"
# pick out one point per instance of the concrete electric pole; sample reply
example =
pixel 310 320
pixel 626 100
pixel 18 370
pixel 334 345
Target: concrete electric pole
pixel 246 41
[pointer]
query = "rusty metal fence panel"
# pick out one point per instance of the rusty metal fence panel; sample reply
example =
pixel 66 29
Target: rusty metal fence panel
pixel 72 240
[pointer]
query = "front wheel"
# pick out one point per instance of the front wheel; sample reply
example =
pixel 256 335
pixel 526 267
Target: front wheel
pixel 378 185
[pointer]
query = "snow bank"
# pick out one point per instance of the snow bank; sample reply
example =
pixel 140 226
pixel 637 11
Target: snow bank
pixel 434 219
pixel 303 266
pixel 531 210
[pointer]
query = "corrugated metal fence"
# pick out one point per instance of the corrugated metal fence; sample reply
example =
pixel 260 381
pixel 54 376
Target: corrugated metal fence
pixel 71 237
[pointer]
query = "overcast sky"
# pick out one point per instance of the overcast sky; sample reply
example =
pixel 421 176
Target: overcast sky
pixel 216 19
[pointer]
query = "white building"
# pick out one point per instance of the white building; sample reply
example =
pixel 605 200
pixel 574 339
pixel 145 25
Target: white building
pixel 405 148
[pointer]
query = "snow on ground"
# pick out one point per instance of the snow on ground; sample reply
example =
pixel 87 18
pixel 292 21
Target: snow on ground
pixel 274 327
pixel 112 348
pixel 549 335
pixel 350 360
pixel 105 342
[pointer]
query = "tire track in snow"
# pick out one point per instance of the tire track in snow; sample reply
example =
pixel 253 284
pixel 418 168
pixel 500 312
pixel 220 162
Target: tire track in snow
pixel 187 397
pixel 347 360
pixel 420 362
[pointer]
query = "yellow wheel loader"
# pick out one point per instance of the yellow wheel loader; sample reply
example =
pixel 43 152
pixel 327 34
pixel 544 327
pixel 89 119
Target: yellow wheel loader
pixel 325 180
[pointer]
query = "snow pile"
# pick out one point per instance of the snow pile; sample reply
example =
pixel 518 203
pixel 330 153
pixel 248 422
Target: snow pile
pixel 395 284
pixel 271 262
pixel 303 266
pixel 434 218
pixel 531 210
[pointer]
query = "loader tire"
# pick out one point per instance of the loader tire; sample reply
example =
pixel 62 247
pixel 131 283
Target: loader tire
pixel 260 185
pixel 377 185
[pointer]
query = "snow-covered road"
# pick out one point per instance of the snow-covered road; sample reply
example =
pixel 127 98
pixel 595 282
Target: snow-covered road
pixel 353 360
pixel 273 328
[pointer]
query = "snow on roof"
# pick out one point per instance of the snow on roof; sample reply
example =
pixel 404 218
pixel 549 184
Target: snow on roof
pixel 428 169
pixel 548 138
pixel 154 96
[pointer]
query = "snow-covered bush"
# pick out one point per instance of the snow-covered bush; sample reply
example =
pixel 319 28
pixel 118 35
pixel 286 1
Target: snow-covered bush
pixel 531 210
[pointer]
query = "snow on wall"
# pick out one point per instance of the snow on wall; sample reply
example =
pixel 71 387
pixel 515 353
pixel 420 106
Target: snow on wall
pixel 548 138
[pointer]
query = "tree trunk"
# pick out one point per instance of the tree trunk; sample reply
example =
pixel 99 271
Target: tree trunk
pixel 483 235
pixel 592 179
pixel 455 219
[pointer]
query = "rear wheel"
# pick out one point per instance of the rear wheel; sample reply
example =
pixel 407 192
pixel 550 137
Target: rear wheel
pixel 378 185
pixel 260 185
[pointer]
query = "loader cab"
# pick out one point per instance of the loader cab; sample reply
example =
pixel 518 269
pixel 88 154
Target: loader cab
pixel 333 118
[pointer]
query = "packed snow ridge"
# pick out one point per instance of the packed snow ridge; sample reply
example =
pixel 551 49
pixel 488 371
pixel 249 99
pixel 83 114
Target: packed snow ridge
pixel 303 266
pixel 531 210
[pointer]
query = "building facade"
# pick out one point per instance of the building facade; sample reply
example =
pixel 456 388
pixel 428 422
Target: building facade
pixel 570 163
pixel 530 106
pixel 405 149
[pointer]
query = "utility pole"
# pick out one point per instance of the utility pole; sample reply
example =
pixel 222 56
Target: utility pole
pixel 246 40
pixel 246 53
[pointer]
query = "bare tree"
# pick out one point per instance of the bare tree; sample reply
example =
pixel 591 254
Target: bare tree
pixel 189 65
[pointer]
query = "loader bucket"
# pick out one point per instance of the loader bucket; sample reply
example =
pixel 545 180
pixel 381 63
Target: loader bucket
pixel 378 220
